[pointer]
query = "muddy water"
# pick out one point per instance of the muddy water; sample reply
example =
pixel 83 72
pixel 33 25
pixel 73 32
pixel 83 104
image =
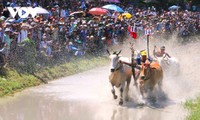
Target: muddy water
pixel 87 96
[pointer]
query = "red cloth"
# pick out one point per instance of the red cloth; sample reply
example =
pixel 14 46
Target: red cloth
pixel 133 34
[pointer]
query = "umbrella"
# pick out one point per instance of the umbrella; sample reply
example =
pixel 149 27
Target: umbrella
pixel 81 13
pixel 111 1
pixel 127 15
pixel 10 20
pixel 40 10
pixel 98 11
pixel 113 7
pixel 174 7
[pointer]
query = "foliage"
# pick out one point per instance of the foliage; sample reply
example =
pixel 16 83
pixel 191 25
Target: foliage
pixel 194 108
pixel 11 81
pixel 77 65
pixel 24 60
pixel 195 2
pixel 29 55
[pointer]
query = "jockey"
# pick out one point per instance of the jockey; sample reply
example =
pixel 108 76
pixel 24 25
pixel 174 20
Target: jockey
pixel 139 61
pixel 160 53
pixel 143 58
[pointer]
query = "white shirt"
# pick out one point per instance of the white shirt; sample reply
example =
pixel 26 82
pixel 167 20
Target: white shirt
pixel 24 34
pixel 63 13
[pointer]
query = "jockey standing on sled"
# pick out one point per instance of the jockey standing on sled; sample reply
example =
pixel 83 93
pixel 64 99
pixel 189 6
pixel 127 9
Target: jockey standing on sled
pixel 141 59
pixel 160 53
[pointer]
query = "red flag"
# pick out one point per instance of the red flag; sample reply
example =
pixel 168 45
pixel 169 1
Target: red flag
pixel 133 31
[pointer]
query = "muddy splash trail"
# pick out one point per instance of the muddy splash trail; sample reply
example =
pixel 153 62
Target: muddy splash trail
pixel 87 95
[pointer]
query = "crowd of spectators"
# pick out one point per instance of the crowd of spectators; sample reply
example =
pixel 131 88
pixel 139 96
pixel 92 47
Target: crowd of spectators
pixel 62 34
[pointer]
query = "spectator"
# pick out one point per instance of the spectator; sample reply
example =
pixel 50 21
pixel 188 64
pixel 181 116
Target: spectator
pixel 7 40
pixel 46 46
pixel 23 32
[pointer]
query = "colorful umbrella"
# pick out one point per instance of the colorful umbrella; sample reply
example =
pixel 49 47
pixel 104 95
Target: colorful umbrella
pixel 127 15
pixel 124 15
pixel 113 7
pixel 98 11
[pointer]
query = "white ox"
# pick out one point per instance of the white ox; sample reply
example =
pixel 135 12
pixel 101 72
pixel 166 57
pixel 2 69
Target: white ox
pixel 120 75
pixel 170 66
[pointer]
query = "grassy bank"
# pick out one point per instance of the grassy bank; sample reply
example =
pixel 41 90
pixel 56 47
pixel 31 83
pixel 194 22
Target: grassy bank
pixel 194 109
pixel 11 81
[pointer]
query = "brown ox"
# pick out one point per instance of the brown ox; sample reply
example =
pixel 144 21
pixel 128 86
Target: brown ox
pixel 120 75
pixel 150 75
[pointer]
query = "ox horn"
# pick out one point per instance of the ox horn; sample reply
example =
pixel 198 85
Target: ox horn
pixel 119 52
pixel 108 51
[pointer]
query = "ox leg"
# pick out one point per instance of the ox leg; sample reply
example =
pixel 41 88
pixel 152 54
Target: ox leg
pixel 136 79
pixel 160 85
pixel 128 81
pixel 121 94
pixel 113 92
pixel 160 91
pixel 150 93
pixel 141 87
pixel 137 74
pixel 141 93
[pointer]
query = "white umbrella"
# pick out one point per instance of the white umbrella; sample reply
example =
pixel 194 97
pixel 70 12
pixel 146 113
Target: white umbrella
pixel 174 7
pixel 10 20
pixel 40 10
pixel 111 1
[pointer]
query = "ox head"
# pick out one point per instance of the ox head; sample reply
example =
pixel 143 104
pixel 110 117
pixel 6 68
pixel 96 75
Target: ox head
pixel 114 59
pixel 164 61
pixel 145 72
